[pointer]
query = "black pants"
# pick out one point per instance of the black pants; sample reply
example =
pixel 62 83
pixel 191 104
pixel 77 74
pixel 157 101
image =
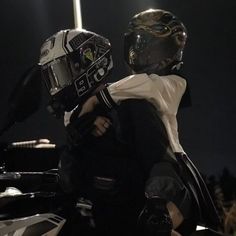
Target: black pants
pixel 170 176
pixel 146 136
pixel 143 131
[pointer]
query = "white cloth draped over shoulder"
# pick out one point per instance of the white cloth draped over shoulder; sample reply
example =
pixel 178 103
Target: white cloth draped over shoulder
pixel 164 92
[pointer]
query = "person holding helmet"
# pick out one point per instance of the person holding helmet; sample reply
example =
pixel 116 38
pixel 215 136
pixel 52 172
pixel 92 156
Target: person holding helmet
pixel 147 103
pixel 95 164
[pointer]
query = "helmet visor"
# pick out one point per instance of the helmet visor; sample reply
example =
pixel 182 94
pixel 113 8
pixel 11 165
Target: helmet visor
pixel 136 46
pixel 57 75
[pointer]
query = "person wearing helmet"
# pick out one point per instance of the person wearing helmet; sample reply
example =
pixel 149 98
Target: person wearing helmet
pixel 74 63
pixel 95 164
pixel 147 102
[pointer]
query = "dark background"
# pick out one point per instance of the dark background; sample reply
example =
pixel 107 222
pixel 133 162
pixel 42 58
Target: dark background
pixel 207 128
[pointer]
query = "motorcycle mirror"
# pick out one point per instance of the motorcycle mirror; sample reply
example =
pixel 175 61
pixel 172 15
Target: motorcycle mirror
pixel 25 98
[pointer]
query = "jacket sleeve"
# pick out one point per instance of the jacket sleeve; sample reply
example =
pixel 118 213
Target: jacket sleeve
pixel 163 92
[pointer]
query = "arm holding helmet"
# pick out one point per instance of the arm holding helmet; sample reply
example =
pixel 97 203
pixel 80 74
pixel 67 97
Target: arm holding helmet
pixel 163 92
pixel 74 63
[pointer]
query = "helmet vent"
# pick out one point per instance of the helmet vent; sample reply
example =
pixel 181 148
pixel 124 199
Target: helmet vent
pixel 76 42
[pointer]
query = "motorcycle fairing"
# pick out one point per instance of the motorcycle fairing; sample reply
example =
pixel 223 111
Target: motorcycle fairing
pixel 40 224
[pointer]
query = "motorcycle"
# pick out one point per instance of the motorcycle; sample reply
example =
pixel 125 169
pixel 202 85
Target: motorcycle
pixel 33 203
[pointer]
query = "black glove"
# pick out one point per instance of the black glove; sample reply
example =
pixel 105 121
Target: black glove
pixel 155 219
pixel 80 128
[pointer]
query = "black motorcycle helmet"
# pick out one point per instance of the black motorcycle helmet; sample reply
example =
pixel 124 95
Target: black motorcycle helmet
pixel 154 42
pixel 73 64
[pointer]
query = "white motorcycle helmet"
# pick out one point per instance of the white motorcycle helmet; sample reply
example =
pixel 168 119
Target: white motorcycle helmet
pixel 73 64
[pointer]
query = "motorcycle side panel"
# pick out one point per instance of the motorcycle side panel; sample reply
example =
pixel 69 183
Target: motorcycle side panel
pixel 40 224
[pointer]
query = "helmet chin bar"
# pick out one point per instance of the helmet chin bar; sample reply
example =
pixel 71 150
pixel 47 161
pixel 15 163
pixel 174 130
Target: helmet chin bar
pixel 56 109
pixel 65 100
pixel 157 68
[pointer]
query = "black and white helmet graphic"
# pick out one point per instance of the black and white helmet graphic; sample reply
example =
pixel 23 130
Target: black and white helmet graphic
pixel 73 64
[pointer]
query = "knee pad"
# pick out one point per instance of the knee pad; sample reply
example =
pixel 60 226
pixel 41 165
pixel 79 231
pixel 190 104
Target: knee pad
pixel 155 219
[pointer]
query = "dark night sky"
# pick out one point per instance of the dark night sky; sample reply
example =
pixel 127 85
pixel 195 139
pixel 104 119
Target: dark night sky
pixel 207 129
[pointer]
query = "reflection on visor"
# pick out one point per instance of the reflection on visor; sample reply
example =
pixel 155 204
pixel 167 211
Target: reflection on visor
pixel 57 75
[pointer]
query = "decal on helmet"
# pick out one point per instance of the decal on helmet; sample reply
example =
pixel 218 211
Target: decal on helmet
pixel 46 47
pixel 77 64
pixel 78 40
pixel 88 54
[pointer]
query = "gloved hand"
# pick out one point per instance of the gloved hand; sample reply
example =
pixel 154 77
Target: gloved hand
pixel 80 128
pixel 155 219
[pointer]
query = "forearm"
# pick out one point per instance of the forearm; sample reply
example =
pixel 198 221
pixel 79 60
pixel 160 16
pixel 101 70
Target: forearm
pixel 89 105
pixel 131 87
pixel 165 94
pixel 104 98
